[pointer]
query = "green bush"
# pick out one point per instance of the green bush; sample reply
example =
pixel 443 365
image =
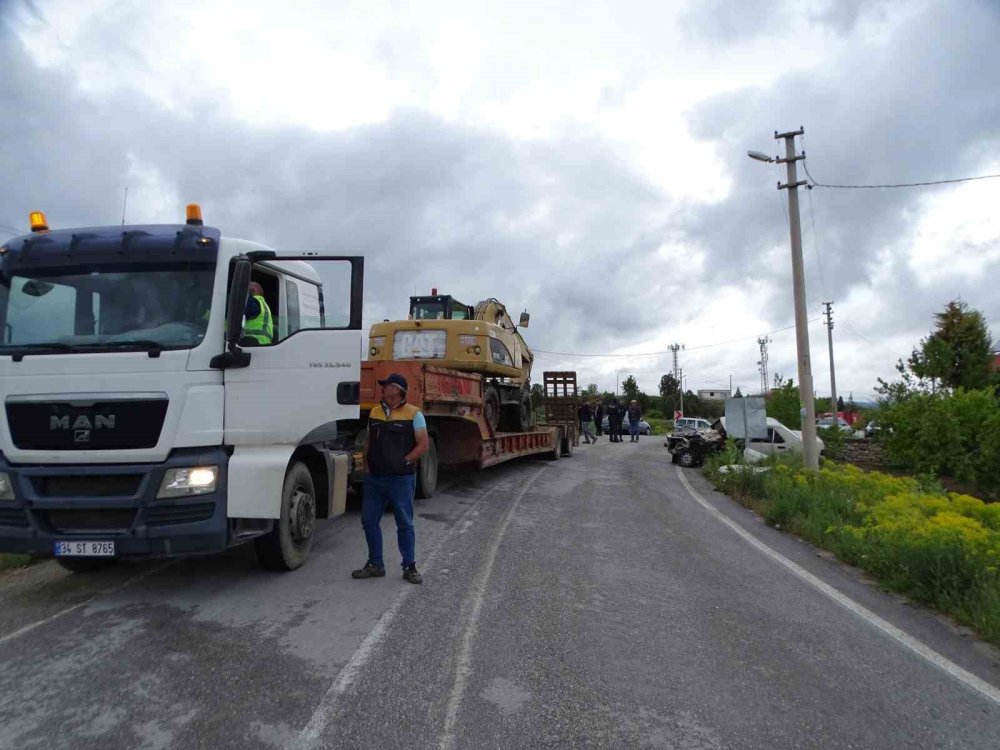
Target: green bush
pixel 939 548
pixel 955 434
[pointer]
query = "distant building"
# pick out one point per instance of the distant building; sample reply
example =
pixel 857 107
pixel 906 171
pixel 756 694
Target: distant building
pixel 714 394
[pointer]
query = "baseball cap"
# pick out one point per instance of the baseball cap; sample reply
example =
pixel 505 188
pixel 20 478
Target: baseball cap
pixel 396 379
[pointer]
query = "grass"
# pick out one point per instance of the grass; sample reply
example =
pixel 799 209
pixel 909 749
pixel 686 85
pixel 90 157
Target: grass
pixel 940 548
pixel 13 561
pixel 660 426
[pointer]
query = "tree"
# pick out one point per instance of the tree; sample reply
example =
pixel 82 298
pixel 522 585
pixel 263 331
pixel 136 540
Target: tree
pixel 784 405
pixel 536 395
pixel 959 351
pixel 840 403
pixel 591 390
pixel 630 388
pixel 669 385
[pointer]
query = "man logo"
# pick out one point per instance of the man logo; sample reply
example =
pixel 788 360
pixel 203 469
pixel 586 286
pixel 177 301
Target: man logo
pixel 83 423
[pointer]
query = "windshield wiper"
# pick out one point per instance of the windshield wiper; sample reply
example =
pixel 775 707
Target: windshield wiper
pixel 17 351
pixel 153 348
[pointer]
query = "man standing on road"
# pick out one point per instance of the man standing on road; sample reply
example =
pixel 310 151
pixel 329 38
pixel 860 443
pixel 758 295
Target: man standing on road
pixel 397 437
pixel 586 415
pixel 615 421
pixel 599 418
pixel 634 417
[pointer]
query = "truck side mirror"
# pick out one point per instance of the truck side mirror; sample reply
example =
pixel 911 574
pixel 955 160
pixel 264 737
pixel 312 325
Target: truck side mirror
pixel 523 322
pixel 239 290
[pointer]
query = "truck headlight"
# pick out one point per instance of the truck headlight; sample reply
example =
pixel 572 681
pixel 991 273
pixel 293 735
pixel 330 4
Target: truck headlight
pixel 196 480
pixel 6 487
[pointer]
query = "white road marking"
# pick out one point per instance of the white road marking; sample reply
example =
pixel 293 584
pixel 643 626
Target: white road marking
pixel 105 592
pixel 922 650
pixel 349 672
pixel 464 659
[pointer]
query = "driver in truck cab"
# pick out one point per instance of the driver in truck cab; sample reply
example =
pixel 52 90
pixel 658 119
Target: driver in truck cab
pixel 397 437
pixel 259 324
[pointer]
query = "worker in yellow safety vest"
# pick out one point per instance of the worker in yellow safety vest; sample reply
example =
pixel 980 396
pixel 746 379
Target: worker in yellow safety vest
pixel 259 323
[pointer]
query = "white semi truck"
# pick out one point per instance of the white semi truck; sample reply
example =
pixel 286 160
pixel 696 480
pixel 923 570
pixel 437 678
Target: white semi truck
pixel 138 421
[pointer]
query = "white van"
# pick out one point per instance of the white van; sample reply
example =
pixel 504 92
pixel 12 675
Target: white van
pixel 691 423
pixel 780 439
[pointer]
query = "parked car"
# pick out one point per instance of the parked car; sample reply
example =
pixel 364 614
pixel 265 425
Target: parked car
pixel 826 423
pixel 644 428
pixel 694 423
pixel 872 428
pixel 780 439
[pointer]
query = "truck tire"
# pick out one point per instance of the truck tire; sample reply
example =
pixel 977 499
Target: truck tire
pixel 86 564
pixel 287 545
pixel 556 445
pixel 427 471
pixel 491 406
pixel 567 445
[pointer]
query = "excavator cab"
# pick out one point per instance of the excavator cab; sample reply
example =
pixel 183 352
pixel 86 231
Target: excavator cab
pixel 439 307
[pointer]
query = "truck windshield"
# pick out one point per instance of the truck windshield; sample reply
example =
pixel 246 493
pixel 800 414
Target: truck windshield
pixel 146 305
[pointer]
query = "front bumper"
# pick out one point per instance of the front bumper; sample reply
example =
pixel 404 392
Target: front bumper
pixel 114 502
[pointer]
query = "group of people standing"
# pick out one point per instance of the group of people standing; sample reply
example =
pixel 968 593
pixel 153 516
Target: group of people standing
pixel 595 412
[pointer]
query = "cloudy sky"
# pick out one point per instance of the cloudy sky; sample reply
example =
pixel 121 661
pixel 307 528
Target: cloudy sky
pixel 583 160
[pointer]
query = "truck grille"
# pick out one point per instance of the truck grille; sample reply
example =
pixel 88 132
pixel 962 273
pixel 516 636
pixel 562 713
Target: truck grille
pixel 13 517
pixel 103 425
pixel 86 520
pixel 170 514
pixel 104 485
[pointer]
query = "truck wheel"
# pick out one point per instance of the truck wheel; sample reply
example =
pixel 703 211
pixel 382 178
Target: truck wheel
pixel 567 445
pixel 427 471
pixel 556 445
pixel 687 458
pixel 287 545
pixel 86 564
pixel 491 406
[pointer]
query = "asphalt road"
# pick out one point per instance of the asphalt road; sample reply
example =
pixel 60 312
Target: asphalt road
pixel 595 601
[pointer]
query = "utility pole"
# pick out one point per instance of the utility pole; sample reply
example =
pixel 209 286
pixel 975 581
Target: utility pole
pixel 681 382
pixel 674 348
pixel 833 376
pixel 810 453
pixel 762 365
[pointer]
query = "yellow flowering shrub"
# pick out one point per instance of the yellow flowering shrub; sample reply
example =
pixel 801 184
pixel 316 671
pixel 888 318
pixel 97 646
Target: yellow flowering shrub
pixel 942 548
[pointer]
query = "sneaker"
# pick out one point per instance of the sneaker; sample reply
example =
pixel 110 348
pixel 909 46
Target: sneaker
pixel 369 571
pixel 410 574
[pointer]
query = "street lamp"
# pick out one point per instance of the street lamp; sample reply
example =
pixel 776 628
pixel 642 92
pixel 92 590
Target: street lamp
pixel 810 453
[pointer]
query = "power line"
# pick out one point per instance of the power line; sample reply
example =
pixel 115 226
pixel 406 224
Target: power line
pixel 816 183
pixel 669 351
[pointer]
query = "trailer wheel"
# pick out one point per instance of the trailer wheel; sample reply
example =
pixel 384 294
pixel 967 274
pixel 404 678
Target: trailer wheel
pixel 86 564
pixel 567 445
pixel 427 470
pixel 556 445
pixel 491 406
pixel 287 545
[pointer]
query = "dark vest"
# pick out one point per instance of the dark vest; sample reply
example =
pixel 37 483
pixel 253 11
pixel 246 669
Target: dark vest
pixel 390 438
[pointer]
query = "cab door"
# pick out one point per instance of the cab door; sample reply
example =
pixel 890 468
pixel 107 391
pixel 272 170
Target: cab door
pixel 294 390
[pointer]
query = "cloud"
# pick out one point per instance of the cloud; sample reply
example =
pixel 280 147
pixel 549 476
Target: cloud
pixel 588 220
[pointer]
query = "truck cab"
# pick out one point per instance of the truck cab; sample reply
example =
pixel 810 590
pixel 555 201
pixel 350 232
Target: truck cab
pixel 139 421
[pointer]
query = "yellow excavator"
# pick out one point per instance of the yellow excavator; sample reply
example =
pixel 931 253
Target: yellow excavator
pixel 481 338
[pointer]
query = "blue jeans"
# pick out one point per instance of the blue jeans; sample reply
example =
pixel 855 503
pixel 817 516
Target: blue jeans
pixel 381 490
pixel 587 433
pixel 633 429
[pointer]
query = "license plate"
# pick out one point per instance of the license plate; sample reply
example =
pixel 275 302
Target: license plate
pixel 85 549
